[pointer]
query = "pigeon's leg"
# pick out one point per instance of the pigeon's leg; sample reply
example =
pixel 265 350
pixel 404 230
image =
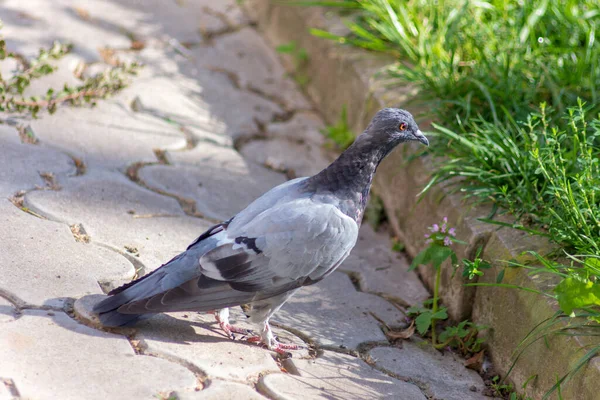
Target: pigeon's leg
pixel 222 318
pixel 268 339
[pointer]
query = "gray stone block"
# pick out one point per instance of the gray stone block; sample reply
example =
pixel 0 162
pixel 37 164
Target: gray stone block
pixel 304 126
pixel 203 344
pixel 444 375
pixel 37 23
pixel 336 376
pixel 285 156
pixel 114 211
pixel 42 263
pixel 333 313
pixel 222 390
pixel 218 179
pixel 253 65
pixel 21 164
pixel 107 136
pixel 48 355
pixel 383 271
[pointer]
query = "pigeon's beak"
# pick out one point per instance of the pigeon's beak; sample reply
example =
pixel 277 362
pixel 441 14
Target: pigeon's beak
pixel 421 138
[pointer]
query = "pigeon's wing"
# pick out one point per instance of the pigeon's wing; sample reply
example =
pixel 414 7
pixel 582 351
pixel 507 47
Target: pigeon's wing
pixel 292 244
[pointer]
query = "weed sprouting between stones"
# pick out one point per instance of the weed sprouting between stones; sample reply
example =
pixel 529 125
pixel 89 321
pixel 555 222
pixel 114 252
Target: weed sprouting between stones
pixel 89 91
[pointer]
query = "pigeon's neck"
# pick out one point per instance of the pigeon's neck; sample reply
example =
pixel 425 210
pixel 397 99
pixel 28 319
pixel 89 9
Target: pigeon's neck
pixel 349 177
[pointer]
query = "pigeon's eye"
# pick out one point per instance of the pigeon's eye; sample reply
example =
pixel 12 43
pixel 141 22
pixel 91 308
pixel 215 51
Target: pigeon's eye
pixel 402 126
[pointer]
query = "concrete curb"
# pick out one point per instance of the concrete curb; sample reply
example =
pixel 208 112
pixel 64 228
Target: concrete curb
pixel 346 79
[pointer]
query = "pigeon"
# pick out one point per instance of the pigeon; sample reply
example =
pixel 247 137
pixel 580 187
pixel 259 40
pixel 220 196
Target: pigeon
pixel 294 235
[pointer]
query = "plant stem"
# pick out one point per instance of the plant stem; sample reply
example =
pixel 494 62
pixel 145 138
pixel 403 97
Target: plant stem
pixel 434 309
pixel 58 100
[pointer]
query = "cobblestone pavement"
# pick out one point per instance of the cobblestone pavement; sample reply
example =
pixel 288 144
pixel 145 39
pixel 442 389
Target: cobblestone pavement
pixel 113 191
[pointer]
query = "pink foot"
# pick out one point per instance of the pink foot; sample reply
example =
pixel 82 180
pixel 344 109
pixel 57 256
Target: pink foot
pixel 231 329
pixel 268 340
pixel 222 318
pixel 278 347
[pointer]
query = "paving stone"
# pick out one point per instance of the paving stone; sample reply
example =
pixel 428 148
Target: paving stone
pixel 221 390
pixel 241 111
pixel 184 20
pixel 220 181
pixel 83 310
pixel 167 98
pixel 48 355
pixel 42 263
pixel 296 145
pixel 21 164
pixel 282 155
pixel 107 136
pixel 334 314
pixel 444 375
pixel 114 211
pixel 336 376
pixel 33 24
pixel 203 344
pixel 203 100
pixel 7 312
pixel 198 339
pixel 383 271
pixel 255 66
pixel 304 126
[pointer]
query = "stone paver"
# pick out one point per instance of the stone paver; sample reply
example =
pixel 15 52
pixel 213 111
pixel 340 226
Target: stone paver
pixel 221 390
pixel 21 164
pixel 282 155
pixel 381 270
pixel 337 376
pixel 119 213
pixel 241 112
pixel 204 345
pixel 220 181
pixel 252 65
pixel 52 356
pixel 443 375
pixel 210 123
pixel 108 136
pixel 41 262
pixel 343 318
pixel 302 127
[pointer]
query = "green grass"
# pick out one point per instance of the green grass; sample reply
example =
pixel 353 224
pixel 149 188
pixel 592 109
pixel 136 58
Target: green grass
pixel 507 81
pixel 340 133
pixel 475 58
pixel 548 173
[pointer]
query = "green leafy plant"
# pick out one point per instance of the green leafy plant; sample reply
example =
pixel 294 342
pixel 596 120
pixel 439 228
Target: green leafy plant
pixel 505 390
pixel 425 317
pixel 91 89
pixel 464 337
pixel 474 268
pixel 340 133
pixel 300 58
pixel 439 249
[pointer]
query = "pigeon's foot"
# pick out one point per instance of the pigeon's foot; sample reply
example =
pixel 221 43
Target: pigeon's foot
pixel 268 339
pixel 222 318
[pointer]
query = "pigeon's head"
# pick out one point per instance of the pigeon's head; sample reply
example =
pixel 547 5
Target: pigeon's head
pixel 394 126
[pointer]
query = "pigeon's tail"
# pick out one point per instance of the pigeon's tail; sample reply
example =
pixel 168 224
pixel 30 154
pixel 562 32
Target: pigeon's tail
pixel 109 315
pixel 108 309
pixel 115 319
